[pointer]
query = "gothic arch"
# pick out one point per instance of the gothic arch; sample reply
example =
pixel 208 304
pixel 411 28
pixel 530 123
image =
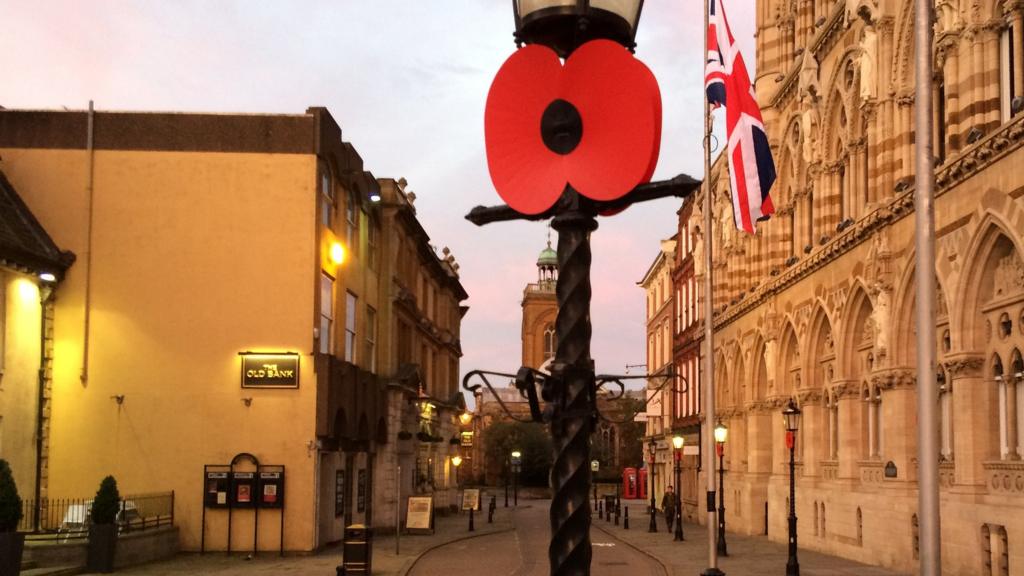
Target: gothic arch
pixel 904 322
pixel 902 74
pixel 821 350
pixel 788 378
pixel 722 372
pixel 993 242
pixel 857 334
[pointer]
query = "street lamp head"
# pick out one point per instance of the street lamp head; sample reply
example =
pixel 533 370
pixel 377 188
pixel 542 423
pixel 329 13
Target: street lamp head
pixel 456 461
pixel 791 417
pixel 564 25
pixel 678 441
pixel 465 418
pixel 517 454
pixel 721 433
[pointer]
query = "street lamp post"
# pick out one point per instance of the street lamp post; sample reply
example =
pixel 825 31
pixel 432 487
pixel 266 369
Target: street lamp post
pixel 791 417
pixel 653 527
pixel 457 462
pixel 516 464
pixel 721 433
pixel 677 443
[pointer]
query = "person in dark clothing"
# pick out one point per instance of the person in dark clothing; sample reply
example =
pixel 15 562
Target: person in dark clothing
pixel 668 504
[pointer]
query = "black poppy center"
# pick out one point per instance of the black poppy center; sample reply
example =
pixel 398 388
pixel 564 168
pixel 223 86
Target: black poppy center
pixel 561 127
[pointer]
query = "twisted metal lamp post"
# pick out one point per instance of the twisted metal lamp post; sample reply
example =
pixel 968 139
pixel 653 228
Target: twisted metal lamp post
pixel 569 390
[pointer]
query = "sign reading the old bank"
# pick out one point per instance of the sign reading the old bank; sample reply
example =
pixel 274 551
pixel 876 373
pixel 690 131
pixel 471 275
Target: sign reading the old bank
pixel 270 370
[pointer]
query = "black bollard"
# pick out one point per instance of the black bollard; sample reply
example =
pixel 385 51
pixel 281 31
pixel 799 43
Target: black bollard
pixel 471 527
pixel 617 514
pixel 600 510
pixel 625 519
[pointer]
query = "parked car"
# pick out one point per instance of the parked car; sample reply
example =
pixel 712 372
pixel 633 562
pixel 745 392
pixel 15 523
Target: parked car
pixel 75 525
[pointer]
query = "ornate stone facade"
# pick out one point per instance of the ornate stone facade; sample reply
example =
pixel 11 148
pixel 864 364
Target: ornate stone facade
pixel 819 305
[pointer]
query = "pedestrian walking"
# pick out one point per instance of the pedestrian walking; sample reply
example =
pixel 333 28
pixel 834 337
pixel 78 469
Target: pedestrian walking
pixel 668 504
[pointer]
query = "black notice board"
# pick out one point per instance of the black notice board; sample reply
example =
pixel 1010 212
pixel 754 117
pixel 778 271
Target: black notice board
pixel 361 491
pixel 243 489
pixel 271 489
pixel 216 486
pixel 339 493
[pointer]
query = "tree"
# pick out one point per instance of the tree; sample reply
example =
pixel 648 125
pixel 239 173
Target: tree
pixel 10 503
pixel 532 439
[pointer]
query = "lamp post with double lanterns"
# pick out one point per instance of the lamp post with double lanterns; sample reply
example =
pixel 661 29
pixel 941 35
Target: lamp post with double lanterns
pixel 721 433
pixel 677 443
pixel 653 446
pixel 791 418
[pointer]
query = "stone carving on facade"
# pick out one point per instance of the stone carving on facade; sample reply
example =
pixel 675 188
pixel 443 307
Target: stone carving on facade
pixel 845 389
pixel 809 397
pixel 895 379
pixel 836 301
pixel 964 366
pixel 808 79
pixel 810 122
pixel 865 9
pixel 868 60
pixel 881 317
pixel 1009 276
pixel 802 317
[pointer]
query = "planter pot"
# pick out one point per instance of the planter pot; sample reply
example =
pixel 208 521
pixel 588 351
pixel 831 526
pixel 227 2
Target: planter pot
pixel 102 545
pixel 11 546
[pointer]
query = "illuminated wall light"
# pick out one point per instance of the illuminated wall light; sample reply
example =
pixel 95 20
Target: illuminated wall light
pixel 337 253
pixel 47 277
pixel 28 292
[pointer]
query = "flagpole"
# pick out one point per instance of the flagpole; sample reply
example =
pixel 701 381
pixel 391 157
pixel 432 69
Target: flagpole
pixel 924 215
pixel 707 448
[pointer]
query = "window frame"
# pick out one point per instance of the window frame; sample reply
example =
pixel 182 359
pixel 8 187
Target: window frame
pixel 351 302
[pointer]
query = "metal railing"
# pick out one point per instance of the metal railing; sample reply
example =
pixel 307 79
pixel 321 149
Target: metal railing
pixel 68 519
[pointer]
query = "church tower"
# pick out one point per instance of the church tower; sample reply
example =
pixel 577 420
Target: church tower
pixel 540 306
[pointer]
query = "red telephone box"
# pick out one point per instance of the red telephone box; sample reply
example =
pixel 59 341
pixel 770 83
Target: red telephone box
pixel 641 484
pixel 629 483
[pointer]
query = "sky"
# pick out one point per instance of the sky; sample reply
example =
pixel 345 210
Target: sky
pixel 407 81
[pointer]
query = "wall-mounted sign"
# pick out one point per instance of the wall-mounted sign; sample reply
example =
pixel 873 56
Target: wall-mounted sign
pixel 467 439
pixel 361 491
pixel 270 370
pixel 339 493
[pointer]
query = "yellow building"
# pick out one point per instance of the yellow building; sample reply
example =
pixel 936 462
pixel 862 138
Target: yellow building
pixel 819 305
pixel 204 239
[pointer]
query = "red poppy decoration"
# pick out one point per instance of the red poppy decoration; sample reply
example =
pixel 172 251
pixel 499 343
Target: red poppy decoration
pixel 594 124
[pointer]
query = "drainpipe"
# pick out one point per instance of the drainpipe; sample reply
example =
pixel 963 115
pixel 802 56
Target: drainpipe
pixel 44 299
pixel 91 162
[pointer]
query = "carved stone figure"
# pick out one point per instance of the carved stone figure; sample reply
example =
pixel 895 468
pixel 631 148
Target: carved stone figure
pixel 770 354
pixel 868 63
pixel 882 320
pixel 809 123
pixel 866 9
pixel 809 75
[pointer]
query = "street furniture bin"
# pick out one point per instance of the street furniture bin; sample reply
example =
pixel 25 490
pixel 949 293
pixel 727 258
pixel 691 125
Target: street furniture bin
pixel 357 550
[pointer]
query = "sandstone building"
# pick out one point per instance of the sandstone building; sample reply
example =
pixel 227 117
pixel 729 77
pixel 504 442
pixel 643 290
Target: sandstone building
pixel 207 242
pixel 819 305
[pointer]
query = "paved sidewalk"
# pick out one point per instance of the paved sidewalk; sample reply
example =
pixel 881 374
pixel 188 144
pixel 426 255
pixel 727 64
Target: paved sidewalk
pixel 748 555
pixel 385 561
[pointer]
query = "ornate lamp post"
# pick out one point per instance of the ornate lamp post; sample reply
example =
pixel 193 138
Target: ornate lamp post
pixel 677 443
pixel 653 527
pixel 721 433
pixel 560 169
pixel 791 416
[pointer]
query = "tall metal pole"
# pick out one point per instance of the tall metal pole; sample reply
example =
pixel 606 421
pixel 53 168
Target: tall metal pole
pixel 653 526
pixel 924 214
pixel 723 549
pixel 709 334
pixel 792 564
pixel 572 396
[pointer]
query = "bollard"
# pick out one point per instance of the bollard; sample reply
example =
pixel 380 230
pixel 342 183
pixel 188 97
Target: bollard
pixel 600 511
pixel 617 514
pixel 471 528
pixel 625 519
pixel 490 512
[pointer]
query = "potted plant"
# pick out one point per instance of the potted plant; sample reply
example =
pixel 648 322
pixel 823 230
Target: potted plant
pixel 103 527
pixel 12 543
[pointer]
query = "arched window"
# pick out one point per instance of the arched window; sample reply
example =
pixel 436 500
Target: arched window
pixel 549 341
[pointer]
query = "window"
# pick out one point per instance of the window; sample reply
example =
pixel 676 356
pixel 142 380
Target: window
pixel 549 341
pixel 350 327
pixel 1010 70
pixel 326 314
pixel 326 197
pixel 371 339
pixel 404 343
pixel 351 221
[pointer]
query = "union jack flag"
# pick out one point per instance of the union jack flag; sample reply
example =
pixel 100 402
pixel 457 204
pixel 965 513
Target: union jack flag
pixel 751 168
